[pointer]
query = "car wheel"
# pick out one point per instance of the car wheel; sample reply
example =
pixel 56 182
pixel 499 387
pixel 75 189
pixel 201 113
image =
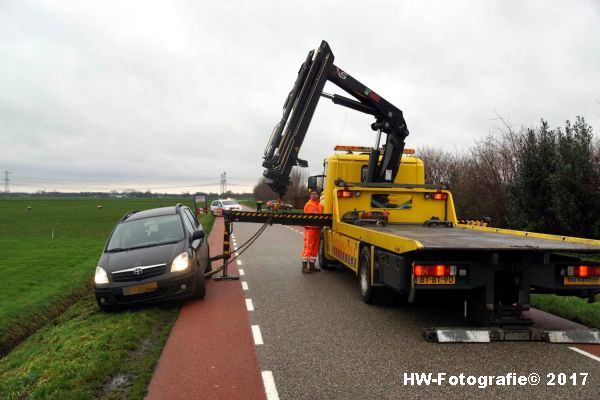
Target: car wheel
pixel 200 291
pixel 364 276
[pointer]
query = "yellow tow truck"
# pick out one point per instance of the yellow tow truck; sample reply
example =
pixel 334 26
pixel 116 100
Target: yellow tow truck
pixel 384 222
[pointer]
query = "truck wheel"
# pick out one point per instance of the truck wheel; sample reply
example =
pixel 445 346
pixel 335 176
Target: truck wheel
pixel 364 276
pixel 200 291
pixel 324 263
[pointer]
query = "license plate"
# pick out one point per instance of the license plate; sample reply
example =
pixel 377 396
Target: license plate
pixel 577 280
pixel 138 289
pixel 435 280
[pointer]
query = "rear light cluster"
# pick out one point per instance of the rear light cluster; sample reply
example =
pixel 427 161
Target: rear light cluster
pixel 344 193
pixel 439 270
pixel 434 270
pixel 436 196
pixel 583 270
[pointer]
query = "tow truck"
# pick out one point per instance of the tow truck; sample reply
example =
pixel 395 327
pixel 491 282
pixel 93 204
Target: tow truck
pixel 382 221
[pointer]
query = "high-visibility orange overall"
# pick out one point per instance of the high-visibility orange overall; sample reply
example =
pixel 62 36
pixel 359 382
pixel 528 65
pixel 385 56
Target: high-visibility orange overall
pixel 311 233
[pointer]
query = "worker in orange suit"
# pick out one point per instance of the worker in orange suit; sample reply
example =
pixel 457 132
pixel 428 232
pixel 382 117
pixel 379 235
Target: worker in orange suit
pixel 312 235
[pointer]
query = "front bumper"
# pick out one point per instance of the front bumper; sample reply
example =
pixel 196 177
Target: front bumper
pixel 168 288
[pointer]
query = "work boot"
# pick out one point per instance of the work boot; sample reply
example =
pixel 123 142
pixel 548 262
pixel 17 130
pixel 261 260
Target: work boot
pixel 313 268
pixel 305 269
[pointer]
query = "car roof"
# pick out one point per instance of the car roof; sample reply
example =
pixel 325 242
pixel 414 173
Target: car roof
pixel 154 212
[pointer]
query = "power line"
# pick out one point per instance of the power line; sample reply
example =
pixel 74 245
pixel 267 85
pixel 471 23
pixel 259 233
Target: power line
pixel 62 184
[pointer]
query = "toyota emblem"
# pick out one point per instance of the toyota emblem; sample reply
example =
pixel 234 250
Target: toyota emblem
pixel 138 271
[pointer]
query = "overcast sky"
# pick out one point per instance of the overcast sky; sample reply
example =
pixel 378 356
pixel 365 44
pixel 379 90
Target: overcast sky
pixel 166 96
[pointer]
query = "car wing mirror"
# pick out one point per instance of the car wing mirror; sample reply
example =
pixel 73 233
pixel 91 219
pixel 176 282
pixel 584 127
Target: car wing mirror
pixel 198 235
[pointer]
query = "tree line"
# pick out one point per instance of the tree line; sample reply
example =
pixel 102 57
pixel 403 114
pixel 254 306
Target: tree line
pixel 535 179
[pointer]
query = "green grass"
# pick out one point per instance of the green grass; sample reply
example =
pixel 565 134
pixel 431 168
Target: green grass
pixel 78 354
pixel 49 254
pixel 572 308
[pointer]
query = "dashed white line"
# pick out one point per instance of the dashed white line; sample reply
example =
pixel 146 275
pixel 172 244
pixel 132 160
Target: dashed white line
pixel 269 383
pixel 249 305
pixel 237 254
pixel 239 262
pixel 241 272
pixel 244 285
pixel 585 353
pixel 256 334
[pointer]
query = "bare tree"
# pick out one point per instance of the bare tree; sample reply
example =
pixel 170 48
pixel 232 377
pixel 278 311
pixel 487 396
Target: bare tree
pixel 297 193
pixel 263 191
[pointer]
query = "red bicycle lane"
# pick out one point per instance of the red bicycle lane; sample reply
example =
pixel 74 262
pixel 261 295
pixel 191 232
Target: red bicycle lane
pixel 210 352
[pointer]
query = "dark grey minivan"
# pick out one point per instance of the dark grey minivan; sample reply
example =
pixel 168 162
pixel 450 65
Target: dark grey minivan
pixel 153 255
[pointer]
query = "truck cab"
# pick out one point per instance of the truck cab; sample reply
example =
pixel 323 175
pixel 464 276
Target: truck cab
pixel 406 200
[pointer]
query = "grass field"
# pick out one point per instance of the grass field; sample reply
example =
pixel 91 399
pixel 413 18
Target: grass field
pixel 68 349
pixel 49 249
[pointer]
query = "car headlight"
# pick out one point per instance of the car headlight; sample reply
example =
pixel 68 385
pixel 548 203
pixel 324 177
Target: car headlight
pixel 180 263
pixel 101 276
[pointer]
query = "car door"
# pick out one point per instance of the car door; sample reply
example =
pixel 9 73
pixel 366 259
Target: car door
pixel 199 246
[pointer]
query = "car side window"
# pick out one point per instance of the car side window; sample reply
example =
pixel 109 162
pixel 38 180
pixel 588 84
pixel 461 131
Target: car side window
pixel 188 225
pixel 193 220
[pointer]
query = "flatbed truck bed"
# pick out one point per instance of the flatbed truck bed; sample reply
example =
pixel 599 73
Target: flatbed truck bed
pixel 482 239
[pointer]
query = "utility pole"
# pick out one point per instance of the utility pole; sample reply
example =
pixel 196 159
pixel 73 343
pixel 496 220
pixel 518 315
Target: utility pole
pixel 223 182
pixel 6 180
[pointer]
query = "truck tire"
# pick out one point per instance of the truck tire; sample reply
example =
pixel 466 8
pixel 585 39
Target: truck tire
pixel 364 276
pixel 324 263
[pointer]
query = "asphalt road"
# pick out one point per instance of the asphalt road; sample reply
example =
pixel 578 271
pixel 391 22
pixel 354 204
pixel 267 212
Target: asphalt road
pixel 322 342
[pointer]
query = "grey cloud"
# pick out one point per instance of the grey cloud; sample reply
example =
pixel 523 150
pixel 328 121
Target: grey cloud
pixel 164 94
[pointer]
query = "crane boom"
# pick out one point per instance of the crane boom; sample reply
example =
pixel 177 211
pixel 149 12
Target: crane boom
pixel 281 153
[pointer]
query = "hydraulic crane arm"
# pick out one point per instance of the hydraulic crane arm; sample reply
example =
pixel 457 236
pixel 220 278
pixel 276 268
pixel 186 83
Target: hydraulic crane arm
pixel 281 153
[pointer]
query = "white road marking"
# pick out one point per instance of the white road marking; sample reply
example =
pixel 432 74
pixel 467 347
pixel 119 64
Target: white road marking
pixel 237 254
pixel 585 353
pixel 269 383
pixel 249 305
pixel 241 272
pixel 294 229
pixel 256 334
pixel 239 262
pixel 244 285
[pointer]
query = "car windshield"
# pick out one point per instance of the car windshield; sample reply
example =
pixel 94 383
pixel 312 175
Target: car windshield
pixel 230 203
pixel 146 232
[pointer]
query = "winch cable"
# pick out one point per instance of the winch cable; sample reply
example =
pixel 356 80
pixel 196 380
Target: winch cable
pixel 240 250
